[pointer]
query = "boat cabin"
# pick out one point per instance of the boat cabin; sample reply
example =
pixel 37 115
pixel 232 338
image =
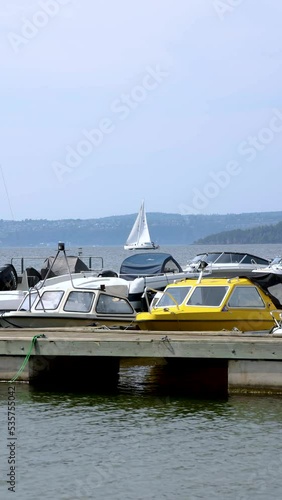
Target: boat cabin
pixel 87 295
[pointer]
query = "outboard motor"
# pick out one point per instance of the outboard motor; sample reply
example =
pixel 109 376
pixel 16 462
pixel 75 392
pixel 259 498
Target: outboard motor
pixel 8 278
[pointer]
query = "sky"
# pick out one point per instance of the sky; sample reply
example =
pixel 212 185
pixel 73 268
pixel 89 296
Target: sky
pixel 106 103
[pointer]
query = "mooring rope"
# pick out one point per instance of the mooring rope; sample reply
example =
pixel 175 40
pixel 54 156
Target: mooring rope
pixel 22 367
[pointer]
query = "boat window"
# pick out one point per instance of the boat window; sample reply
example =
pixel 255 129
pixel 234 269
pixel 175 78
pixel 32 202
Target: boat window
pixel 49 300
pixel 207 296
pixel 173 296
pixel 230 258
pixel 28 301
pixel 110 304
pixel 252 259
pixel 225 258
pixel 245 296
pixel 79 301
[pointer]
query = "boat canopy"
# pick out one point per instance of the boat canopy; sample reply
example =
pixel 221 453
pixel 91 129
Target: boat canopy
pixel 148 264
pixel 60 266
pixel 271 283
pixel 229 258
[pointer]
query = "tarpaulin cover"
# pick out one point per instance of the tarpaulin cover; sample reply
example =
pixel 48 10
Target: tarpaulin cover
pixel 60 266
pixel 147 264
pixel 271 283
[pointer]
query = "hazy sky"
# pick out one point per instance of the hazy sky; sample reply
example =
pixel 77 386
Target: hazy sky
pixel 105 102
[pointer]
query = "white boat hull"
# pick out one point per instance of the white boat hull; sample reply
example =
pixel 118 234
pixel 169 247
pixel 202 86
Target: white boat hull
pixel 144 246
pixel 25 319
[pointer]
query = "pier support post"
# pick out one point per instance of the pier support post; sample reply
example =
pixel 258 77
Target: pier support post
pixel 195 377
pixel 257 376
pixel 75 372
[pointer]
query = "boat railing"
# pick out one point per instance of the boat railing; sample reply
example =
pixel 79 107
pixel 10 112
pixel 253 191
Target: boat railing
pixel 21 263
pixel 277 328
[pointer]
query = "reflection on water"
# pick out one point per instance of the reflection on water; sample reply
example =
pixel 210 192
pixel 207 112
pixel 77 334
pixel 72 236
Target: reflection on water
pixel 138 444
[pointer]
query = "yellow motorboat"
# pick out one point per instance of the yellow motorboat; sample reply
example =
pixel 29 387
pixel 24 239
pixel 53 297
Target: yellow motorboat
pixel 214 304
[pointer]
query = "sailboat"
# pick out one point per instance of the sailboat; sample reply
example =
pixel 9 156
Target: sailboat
pixel 139 237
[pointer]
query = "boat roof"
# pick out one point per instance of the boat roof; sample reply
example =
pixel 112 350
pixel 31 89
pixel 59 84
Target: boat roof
pixel 93 283
pixel 264 280
pixel 210 281
pixel 146 264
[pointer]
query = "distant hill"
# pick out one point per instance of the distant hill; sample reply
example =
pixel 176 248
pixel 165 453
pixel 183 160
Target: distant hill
pixel 262 234
pixel 165 229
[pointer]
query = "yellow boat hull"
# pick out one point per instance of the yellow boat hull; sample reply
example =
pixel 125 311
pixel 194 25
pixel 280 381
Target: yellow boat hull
pixel 203 324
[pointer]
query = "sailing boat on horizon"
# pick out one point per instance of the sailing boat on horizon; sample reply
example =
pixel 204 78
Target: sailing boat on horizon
pixel 139 237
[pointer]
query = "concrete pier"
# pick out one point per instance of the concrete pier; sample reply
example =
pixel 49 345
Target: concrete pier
pixel 209 362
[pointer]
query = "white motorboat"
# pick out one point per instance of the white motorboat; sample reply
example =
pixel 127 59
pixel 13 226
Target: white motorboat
pixel 76 301
pixel 220 264
pixel 139 237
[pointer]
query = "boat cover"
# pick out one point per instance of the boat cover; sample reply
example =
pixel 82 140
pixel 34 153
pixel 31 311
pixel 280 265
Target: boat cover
pixel 148 264
pixel 271 283
pixel 76 265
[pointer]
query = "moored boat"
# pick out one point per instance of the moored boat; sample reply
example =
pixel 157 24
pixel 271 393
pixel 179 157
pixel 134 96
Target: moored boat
pixel 226 263
pixel 214 304
pixel 79 301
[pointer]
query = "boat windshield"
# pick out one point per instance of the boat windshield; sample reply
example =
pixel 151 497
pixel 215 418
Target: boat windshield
pixel 228 258
pixel 49 300
pixel 28 301
pixel 211 296
pixel 207 257
pixel 277 260
pixel 231 258
pixel 173 296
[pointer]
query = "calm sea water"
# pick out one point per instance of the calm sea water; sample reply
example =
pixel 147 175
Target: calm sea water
pixel 138 443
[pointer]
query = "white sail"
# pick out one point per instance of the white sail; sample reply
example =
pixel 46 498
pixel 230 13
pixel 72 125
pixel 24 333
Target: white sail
pixel 139 237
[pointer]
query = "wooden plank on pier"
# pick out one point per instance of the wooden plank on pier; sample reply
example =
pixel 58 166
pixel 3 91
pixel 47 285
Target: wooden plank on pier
pixel 120 343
